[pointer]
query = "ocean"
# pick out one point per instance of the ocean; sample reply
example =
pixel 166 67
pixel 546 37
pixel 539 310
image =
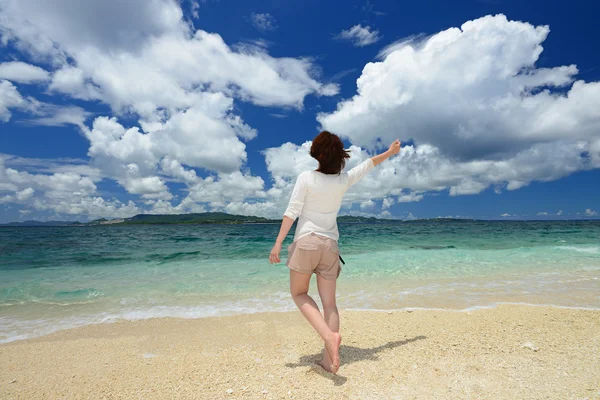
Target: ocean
pixel 63 277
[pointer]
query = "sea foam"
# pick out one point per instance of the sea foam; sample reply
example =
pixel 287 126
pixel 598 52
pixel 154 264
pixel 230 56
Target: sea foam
pixel 589 250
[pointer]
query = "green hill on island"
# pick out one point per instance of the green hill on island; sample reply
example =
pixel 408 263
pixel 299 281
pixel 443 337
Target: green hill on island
pixel 208 218
pixel 196 218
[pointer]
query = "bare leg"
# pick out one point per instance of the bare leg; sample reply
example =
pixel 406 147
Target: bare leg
pixel 299 289
pixel 332 318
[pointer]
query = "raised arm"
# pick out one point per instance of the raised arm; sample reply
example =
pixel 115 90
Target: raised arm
pixel 394 149
pixel 356 173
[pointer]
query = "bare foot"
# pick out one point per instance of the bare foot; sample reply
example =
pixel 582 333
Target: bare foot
pixel 325 365
pixel 332 345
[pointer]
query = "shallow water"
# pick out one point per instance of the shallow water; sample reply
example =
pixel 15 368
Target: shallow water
pixel 55 278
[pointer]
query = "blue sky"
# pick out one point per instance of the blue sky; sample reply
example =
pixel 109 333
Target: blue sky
pixel 109 110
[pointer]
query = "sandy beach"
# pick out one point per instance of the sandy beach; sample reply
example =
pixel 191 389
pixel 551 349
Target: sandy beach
pixel 509 352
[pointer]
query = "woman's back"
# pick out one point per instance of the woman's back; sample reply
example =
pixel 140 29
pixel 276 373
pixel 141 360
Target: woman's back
pixel 317 197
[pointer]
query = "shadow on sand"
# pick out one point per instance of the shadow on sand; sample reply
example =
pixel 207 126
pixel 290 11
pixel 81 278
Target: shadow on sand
pixel 349 354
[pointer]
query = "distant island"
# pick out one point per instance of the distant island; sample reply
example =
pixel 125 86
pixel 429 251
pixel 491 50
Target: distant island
pixel 224 218
pixel 196 218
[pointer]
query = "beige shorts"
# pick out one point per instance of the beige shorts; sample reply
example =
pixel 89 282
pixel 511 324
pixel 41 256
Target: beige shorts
pixel 315 253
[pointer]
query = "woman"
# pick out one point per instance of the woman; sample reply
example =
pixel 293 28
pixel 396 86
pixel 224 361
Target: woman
pixel 315 201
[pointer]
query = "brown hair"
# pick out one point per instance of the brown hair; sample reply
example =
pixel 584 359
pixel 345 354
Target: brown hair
pixel 329 151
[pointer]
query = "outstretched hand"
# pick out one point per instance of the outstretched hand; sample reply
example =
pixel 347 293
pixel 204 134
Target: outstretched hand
pixel 395 147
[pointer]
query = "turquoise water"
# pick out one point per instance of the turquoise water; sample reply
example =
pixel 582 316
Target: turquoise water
pixel 56 278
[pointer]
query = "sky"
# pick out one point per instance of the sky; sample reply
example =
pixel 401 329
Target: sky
pixel 110 109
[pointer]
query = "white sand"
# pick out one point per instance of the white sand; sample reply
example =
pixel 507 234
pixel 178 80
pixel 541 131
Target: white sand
pixel 512 352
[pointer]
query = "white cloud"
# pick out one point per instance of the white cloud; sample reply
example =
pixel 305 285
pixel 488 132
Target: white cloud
pixel 234 187
pixel 195 5
pixel 51 166
pixel 186 206
pixel 9 98
pixel 506 215
pixel 150 185
pixel 43 28
pixel 61 192
pixel 24 194
pixel 387 203
pixel 187 117
pixel 367 204
pixel 67 193
pixel 263 22
pixel 92 207
pixel 72 81
pixel 174 169
pixel 188 120
pixel 478 110
pixel 289 159
pixel 417 170
pixel 44 113
pixel 360 35
pixel 410 197
pixel 542 214
pixel 51 115
pixel 21 72
pixel 590 213
pixel 114 61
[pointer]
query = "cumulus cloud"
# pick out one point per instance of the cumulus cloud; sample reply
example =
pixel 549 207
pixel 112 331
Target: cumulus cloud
pixel 591 213
pixel 263 22
pixel 359 35
pixel 387 202
pixel 42 29
pixel 409 197
pixel 145 60
pixel 407 176
pixel 9 98
pixel 21 72
pixel 67 193
pixel 72 81
pixel 24 194
pixel 154 45
pixel 367 204
pixel 480 113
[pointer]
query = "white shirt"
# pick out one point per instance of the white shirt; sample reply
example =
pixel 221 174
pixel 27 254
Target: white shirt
pixel 317 197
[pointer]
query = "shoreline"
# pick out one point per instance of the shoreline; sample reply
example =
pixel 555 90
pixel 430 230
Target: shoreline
pixel 508 351
pixel 45 326
pixel 103 319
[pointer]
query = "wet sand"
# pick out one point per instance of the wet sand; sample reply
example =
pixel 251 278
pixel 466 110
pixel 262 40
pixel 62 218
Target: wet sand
pixel 509 352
